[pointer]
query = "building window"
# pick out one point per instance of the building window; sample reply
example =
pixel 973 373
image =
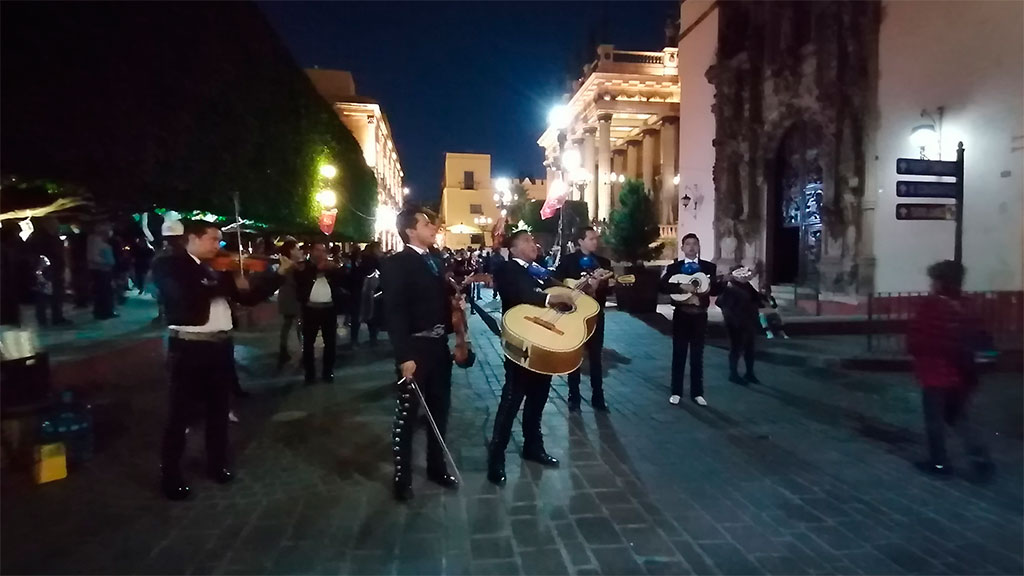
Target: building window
pixel 476 239
pixel 476 208
pixel 467 180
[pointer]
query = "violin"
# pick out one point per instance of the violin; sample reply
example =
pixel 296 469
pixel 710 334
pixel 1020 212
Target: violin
pixel 464 355
pixel 230 262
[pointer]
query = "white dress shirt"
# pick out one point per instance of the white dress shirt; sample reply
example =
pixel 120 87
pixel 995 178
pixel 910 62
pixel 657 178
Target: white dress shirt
pixel 321 292
pixel 220 316
pixel 418 250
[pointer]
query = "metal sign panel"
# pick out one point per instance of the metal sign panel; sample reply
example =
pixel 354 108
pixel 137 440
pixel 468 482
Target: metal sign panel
pixel 914 166
pixel 926 211
pixel 912 189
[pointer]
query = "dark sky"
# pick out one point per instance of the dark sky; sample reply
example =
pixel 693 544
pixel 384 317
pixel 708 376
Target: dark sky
pixel 463 76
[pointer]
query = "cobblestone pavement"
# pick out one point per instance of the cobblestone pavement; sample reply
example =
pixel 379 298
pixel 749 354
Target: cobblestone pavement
pixel 808 473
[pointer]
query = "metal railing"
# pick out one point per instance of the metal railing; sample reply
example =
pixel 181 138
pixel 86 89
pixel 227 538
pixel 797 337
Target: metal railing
pixel 999 312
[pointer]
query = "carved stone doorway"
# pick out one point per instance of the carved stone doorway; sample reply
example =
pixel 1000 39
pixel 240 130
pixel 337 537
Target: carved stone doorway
pixel 794 219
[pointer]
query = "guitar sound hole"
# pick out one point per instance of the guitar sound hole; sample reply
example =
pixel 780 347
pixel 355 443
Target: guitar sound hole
pixel 564 308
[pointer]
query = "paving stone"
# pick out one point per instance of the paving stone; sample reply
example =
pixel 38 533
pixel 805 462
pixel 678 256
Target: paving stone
pixel 531 533
pixel 584 504
pixel 779 564
pixel 543 561
pixel 491 547
pixel 729 559
pixel 693 557
pixel 700 528
pixel 655 567
pixel 496 568
pixel 578 553
pixel 598 531
pixel 906 558
pixel 616 560
pixel 647 541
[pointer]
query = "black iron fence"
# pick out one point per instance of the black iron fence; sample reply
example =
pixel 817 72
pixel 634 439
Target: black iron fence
pixel 1000 313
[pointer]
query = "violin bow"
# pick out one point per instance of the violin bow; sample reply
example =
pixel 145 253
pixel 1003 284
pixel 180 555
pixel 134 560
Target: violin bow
pixel 433 425
pixel 238 229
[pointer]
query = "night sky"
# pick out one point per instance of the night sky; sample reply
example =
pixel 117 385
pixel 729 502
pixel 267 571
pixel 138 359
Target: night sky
pixel 463 76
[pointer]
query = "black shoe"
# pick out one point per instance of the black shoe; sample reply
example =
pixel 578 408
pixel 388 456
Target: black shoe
pixel 496 474
pixel 599 404
pixel 221 475
pixel 403 492
pixel 929 467
pixel 574 404
pixel 751 378
pixel 174 487
pixel 542 458
pixel 736 379
pixel 444 480
pixel 329 377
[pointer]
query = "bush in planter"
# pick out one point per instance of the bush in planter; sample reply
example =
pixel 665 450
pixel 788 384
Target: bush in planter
pixel 633 237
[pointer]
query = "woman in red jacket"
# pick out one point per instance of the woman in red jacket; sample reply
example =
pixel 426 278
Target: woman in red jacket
pixel 942 341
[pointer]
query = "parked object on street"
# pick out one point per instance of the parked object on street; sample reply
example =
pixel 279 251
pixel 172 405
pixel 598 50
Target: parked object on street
pixel 50 463
pixel 69 423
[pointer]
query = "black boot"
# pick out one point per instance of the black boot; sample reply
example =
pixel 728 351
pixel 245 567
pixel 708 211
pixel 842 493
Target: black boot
pixel 496 465
pixel 735 378
pixel 401 442
pixel 597 401
pixel 173 484
pixel 503 420
pixel 574 403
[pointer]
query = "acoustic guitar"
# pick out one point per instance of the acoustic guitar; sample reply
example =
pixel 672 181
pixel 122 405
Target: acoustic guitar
pixel 700 282
pixel 550 340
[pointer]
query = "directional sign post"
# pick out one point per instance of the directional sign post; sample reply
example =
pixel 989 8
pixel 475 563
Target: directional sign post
pixel 921 189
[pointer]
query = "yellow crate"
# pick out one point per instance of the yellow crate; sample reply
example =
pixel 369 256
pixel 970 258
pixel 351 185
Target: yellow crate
pixel 51 463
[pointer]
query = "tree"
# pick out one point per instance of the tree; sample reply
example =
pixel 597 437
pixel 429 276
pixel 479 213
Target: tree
pixel 633 228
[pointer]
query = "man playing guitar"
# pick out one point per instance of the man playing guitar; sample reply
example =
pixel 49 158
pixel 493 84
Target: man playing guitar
pixel 689 319
pixel 521 280
pixel 572 267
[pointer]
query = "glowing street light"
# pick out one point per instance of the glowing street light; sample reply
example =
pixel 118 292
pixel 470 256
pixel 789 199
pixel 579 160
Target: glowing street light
pixel 571 159
pixel 327 198
pixel 559 117
pixel 328 171
pixel 405 191
pixel 676 180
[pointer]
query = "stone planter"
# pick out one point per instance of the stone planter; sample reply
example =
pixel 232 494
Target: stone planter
pixel 641 297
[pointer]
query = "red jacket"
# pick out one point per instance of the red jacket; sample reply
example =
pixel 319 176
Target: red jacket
pixel 936 341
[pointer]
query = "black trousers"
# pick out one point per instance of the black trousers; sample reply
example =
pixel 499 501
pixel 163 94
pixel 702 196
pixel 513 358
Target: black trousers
pixel 434 378
pixel 520 384
pixel 594 347
pixel 323 321
pixel 741 342
pixel 202 373
pixel 688 330
pixel 102 293
pixel 948 407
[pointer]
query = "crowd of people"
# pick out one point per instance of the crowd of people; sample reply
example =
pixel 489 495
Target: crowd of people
pixel 411 294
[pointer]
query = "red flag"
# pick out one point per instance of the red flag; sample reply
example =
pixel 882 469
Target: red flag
pixel 327 218
pixel 551 206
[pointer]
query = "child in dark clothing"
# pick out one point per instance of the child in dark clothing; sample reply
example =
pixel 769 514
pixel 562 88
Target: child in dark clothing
pixel 739 303
pixel 771 319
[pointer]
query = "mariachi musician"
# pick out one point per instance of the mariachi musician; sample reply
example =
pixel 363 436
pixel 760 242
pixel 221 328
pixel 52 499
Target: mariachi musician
pixel 521 280
pixel 418 315
pixel 573 267
pixel 199 347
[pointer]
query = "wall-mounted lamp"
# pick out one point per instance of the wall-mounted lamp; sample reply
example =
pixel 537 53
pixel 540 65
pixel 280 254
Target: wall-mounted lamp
pixel 686 200
pixel 928 136
pixel 676 180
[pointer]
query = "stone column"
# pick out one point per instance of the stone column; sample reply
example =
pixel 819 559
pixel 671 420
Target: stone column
pixel 577 143
pixel 602 207
pixel 633 159
pixel 590 164
pixel 650 136
pixel 669 190
pixel 619 167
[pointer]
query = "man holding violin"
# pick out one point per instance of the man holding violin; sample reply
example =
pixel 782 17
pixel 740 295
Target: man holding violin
pixel 585 262
pixel 418 315
pixel 199 347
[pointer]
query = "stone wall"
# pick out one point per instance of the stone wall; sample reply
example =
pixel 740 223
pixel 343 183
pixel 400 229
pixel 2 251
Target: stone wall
pixel 781 68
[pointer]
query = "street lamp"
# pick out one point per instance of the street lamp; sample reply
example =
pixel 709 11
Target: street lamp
pixel 405 191
pixel 328 171
pixel 676 180
pixel 327 198
pixel 559 117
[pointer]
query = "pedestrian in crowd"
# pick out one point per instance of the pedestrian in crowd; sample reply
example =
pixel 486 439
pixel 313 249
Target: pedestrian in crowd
pixel 12 272
pixel 101 261
pixel 769 315
pixel 122 265
pixel 142 258
pixel 689 319
pixel 288 301
pixel 172 234
pixel 320 288
pixel 739 304
pixel 943 340
pixel 354 285
pixel 81 278
pixel 369 306
pixel 200 348
pixel 46 244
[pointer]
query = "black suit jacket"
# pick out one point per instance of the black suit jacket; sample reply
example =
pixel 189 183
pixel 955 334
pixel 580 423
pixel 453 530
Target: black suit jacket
pixel 186 288
pixel 516 286
pixel 706 267
pixel 306 277
pixel 570 268
pixel 415 299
